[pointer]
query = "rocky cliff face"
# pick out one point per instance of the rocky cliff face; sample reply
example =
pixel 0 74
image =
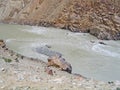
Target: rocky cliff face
pixel 100 18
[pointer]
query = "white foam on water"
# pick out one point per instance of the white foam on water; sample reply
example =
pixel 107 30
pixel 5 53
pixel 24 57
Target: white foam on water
pixel 76 34
pixel 36 30
pixel 9 40
pixel 100 49
pixel 34 45
pixel 21 40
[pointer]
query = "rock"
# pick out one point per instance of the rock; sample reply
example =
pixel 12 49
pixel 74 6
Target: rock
pixel 117 19
pixel 92 41
pixel 2 44
pixel 1 40
pixel 46 51
pixel 20 77
pixel 102 43
pixel 16 59
pixel 79 76
pixel 110 82
pixel 49 71
pixel 60 63
pixel 6 48
pixel 20 56
pixel 3 69
pixel 104 33
pixel 48 46
pixel 1 81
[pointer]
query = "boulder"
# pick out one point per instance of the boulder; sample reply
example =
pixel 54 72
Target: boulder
pixel 2 44
pixel 46 51
pixel 60 63
pixel 49 71
pixel 102 43
pixel 104 32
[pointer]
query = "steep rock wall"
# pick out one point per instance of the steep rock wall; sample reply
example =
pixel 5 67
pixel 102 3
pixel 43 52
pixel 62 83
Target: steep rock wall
pixel 100 18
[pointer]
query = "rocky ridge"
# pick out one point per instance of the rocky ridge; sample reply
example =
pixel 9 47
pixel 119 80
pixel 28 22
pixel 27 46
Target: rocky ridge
pixel 100 18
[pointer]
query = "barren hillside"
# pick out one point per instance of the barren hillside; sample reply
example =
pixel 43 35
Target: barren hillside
pixel 100 18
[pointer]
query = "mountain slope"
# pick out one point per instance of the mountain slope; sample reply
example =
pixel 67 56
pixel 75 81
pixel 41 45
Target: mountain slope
pixel 100 18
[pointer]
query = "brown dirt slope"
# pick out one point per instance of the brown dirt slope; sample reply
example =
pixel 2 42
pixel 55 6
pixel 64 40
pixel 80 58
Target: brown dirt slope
pixel 100 18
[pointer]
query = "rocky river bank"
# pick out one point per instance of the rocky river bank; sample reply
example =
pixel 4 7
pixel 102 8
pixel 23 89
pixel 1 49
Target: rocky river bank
pixel 18 72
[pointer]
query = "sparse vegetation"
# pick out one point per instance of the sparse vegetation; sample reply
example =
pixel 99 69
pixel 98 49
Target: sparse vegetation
pixel 7 60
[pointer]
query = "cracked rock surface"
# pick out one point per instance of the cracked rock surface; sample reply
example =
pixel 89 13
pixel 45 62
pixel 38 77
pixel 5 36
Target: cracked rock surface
pixel 100 18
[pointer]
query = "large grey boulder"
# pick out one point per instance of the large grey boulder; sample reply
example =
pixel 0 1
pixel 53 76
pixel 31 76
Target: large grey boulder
pixel 46 51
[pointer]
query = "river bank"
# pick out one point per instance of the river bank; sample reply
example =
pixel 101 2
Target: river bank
pixel 18 72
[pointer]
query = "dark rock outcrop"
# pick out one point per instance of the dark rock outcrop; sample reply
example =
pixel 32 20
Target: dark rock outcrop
pixel 102 43
pixel 60 63
pixel 49 71
pixel 2 44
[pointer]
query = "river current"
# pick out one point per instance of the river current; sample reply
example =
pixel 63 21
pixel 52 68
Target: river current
pixel 87 56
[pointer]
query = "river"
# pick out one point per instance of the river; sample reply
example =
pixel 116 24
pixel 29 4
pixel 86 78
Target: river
pixel 92 60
